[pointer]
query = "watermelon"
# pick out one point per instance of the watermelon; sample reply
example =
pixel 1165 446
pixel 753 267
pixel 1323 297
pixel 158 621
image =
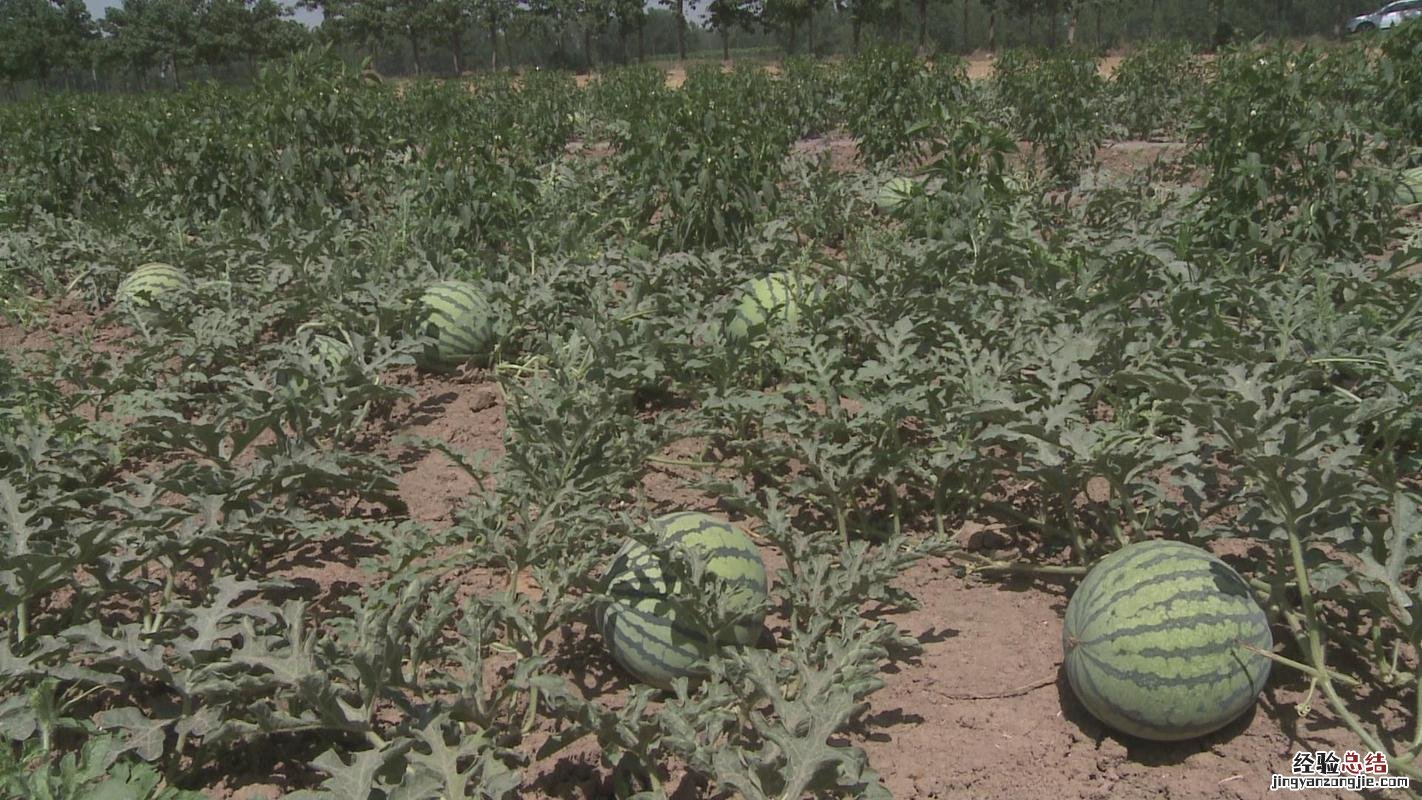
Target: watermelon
pixel 895 193
pixel 150 283
pixel 648 634
pixel 1409 187
pixel 768 302
pixel 460 321
pixel 1153 641
pixel 333 353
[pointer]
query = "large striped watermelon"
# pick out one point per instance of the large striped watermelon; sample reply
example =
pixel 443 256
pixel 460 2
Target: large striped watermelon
pixel 1153 642
pixel 149 283
pixel 648 633
pixel 460 321
pixel 1409 187
pixel 772 301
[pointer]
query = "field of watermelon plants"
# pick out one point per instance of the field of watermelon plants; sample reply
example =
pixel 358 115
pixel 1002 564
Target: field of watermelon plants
pixel 335 415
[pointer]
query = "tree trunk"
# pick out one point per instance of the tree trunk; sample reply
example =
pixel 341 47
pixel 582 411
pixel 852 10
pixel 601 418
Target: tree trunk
pixel 177 78
pixel 922 27
pixel 992 30
pixel 415 53
pixel 493 44
pixel 587 47
pixel 1099 14
pixel 456 43
pixel 726 44
pixel 854 41
pixel 641 38
pixel 622 40
pixel 1338 19
pixel 1032 26
pixel 681 29
pixel 812 32
pixel 794 37
pixel 1053 14
pixel 963 31
pixel 1071 27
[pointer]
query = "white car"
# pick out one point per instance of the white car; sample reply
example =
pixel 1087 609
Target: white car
pixel 1386 17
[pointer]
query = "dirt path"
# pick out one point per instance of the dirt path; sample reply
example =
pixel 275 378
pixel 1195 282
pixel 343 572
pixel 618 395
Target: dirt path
pixel 979 68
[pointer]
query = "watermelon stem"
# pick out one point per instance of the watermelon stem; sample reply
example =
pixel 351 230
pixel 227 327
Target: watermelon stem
pixel 1416 746
pixel 1301 667
pixel 984 564
pixel 677 462
pixel 1312 634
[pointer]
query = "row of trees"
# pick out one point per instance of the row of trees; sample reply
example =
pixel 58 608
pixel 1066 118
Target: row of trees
pixel 42 38
pixel 45 42
pixel 415 24
pixel 418 25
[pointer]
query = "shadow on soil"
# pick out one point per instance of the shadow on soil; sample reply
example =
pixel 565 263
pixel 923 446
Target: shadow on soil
pixel 1142 751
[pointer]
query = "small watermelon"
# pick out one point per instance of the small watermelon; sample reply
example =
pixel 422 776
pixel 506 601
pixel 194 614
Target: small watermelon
pixel 150 283
pixel 646 632
pixel 1409 187
pixel 895 193
pixel 333 353
pixel 334 356
pixel 1154 642
pixel 772 301
pixel 460 320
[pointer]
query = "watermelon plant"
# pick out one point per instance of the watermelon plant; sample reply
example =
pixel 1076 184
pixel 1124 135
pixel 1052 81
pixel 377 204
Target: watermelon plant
pixel 244 533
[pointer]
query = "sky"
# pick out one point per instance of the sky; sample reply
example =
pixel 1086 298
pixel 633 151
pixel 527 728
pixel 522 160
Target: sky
pixel 311 18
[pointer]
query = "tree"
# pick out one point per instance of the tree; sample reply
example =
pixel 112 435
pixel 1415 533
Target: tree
pixel 219 38
pixel 416 19
pixel 154 33
pixel 992 9
pixel 454 17
pixel 1029 8
pixel 681 7
pixel 493 16
pixel 270 32
pixel 728 14
pixel 787 16
pixel 862 12
pixel 922 27
pixel 37 37
pixel 359 21
pixel 592 18
pixel 631 15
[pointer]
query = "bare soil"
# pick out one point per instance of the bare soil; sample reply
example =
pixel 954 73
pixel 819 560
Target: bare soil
pixel 979 67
